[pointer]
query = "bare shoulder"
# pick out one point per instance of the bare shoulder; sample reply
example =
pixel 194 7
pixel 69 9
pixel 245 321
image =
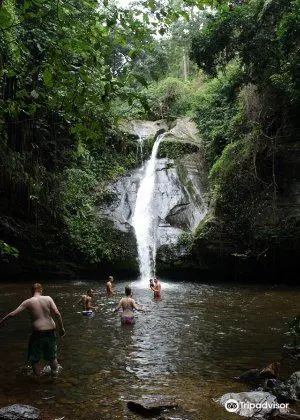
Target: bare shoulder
pixel 26 303
pixel 49 298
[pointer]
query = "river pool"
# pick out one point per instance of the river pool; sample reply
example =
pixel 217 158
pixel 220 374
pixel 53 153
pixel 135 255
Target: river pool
pixel 187 346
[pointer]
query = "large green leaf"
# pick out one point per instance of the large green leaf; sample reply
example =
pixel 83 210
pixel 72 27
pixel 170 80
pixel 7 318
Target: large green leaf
pixel 140 79
pixel 47 77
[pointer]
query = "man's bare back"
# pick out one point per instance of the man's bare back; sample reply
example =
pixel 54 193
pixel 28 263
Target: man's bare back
pixel 41 309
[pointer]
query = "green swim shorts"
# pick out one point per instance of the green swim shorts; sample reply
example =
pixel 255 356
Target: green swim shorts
pixel 42 345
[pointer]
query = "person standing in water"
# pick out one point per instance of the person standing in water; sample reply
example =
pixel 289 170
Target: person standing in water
pixel 156 289
pixel 127 304
pixel 42 342
pixel 86 301
pixel 109 286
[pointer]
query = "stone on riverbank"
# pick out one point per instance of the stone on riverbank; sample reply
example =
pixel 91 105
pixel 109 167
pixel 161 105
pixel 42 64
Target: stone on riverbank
pixel 293 384
pixel 266 400
pixel 151 406
pixel 19 412
pixel 256 376
pixel 288 391
pixel 276 415
pixel 250 376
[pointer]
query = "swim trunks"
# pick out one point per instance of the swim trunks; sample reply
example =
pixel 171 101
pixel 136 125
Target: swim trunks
pixel 42 344
pixel 88 313
pixel 127 318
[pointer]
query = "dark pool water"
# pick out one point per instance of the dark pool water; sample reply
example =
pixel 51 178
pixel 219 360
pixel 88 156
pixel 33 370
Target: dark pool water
pixel 187 346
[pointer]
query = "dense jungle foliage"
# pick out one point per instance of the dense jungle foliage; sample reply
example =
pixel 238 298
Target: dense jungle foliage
pixel 252 149
pixel 71 70
pixel 59 71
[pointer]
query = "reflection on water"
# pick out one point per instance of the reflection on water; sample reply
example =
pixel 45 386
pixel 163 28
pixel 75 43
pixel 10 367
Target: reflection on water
pixel 188 345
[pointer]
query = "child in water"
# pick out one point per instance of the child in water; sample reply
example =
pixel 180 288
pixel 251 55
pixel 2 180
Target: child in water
pixel 127 304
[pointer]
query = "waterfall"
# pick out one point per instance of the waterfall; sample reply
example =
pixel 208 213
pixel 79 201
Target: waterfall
pixel 142 219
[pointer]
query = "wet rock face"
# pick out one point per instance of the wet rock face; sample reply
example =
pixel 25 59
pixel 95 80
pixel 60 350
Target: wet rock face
pixel 143 128
pixel 19 412
pixel 177 206
pixel 184 131
pixel 121 206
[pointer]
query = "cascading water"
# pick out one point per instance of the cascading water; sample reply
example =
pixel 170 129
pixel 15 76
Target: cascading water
pixel 142 217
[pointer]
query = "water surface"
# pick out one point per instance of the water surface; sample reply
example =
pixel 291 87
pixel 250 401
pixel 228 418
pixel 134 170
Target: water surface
pixel 188 346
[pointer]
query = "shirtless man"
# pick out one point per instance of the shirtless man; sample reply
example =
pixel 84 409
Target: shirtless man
pixel 42 342
pixel 86 301
pixel 127 304
pixel 156 289
pixel 109 286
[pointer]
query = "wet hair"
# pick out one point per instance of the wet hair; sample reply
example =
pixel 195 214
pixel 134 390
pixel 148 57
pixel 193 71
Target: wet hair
pixel 127 290
pixel 36 287
pixel 89 291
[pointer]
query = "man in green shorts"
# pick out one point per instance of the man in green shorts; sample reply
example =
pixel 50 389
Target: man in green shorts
pixel 42 342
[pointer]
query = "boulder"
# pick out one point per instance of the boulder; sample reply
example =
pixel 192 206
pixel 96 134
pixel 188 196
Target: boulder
pixel 256 376
pixel 276 415
pixel 293 385
pixel 19 412
pixel 250 376
pixel 280 389
pixel 255 404
pixel 151 406
pixel 288 391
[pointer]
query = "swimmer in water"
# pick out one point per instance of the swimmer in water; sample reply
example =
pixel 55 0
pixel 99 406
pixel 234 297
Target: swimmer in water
pixel 86 302
pixel 156 289
pixel 109 286
pixel 127 304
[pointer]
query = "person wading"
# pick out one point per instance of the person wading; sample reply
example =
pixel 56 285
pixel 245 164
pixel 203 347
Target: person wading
pixel 127 305
pixel 42 341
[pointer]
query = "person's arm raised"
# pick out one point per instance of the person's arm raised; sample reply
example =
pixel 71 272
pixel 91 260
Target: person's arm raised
pixel 56 313
pixel 14 313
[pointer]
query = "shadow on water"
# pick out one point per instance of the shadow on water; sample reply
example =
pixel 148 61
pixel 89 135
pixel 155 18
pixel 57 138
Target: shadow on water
pixel 188 346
